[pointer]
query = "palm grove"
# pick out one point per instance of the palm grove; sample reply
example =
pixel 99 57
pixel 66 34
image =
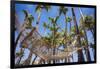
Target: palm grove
pixel 46 49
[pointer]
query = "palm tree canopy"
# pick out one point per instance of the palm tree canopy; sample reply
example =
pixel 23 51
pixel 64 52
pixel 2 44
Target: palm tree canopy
pixel 63 10
pixel 68 19
pixel 29 18
pixel 54 20
pixel 88 21
pixel 39 7
pixel 45 25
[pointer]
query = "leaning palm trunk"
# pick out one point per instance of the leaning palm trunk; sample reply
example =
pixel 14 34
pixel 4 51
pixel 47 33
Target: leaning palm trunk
pixel 17 24
pixel 85 36
pixel 80 53
pixel 34 59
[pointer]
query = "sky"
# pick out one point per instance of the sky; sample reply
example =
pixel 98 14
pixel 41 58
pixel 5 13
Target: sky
pixel 53 12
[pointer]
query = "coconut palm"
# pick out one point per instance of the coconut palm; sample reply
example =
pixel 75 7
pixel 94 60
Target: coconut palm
pixel 27 24
pixel 28 19
pixel 80 53
pixel 63 10
pixel 39 10
pixel 89 23
pixel 54 28
pixel 68 20
pixel 85 35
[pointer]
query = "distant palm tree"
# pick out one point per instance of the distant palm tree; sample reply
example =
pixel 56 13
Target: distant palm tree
pixel 80 53
pixel 54 30
pixel 63 10
pixel 89 23
pixel 68 20
pixel 39 10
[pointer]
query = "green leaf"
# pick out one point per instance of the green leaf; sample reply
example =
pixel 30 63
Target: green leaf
pixel 47 7
pixel 68 19
pixel 30 18
pixel 26 13
pixel 56 19
pixel 63 10
pixel 38 8
pixel 45 25
pixel 51 19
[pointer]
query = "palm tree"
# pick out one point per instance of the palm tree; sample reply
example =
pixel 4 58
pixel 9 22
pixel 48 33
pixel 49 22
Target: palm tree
pixel 89 23
pixel 27 24
pixel 80 53
pixel 34 59
pixel 85 35
pixel 39 10
pixel 63 10
pixel 68 20
pixel 24 45
pixel 54 30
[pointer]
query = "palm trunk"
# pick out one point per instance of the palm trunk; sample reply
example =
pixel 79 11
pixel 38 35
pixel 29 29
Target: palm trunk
pixel 87 50
pixel 92 32
pixel 18 39
pixel 65 45
pixel 37 23
pixel 34 59
pixel 80 53
pixel 54 41
pixel 70 38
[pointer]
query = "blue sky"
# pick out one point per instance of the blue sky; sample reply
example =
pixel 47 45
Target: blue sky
pixel 53 12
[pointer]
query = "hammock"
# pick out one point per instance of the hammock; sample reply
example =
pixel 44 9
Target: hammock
pixel 35 46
